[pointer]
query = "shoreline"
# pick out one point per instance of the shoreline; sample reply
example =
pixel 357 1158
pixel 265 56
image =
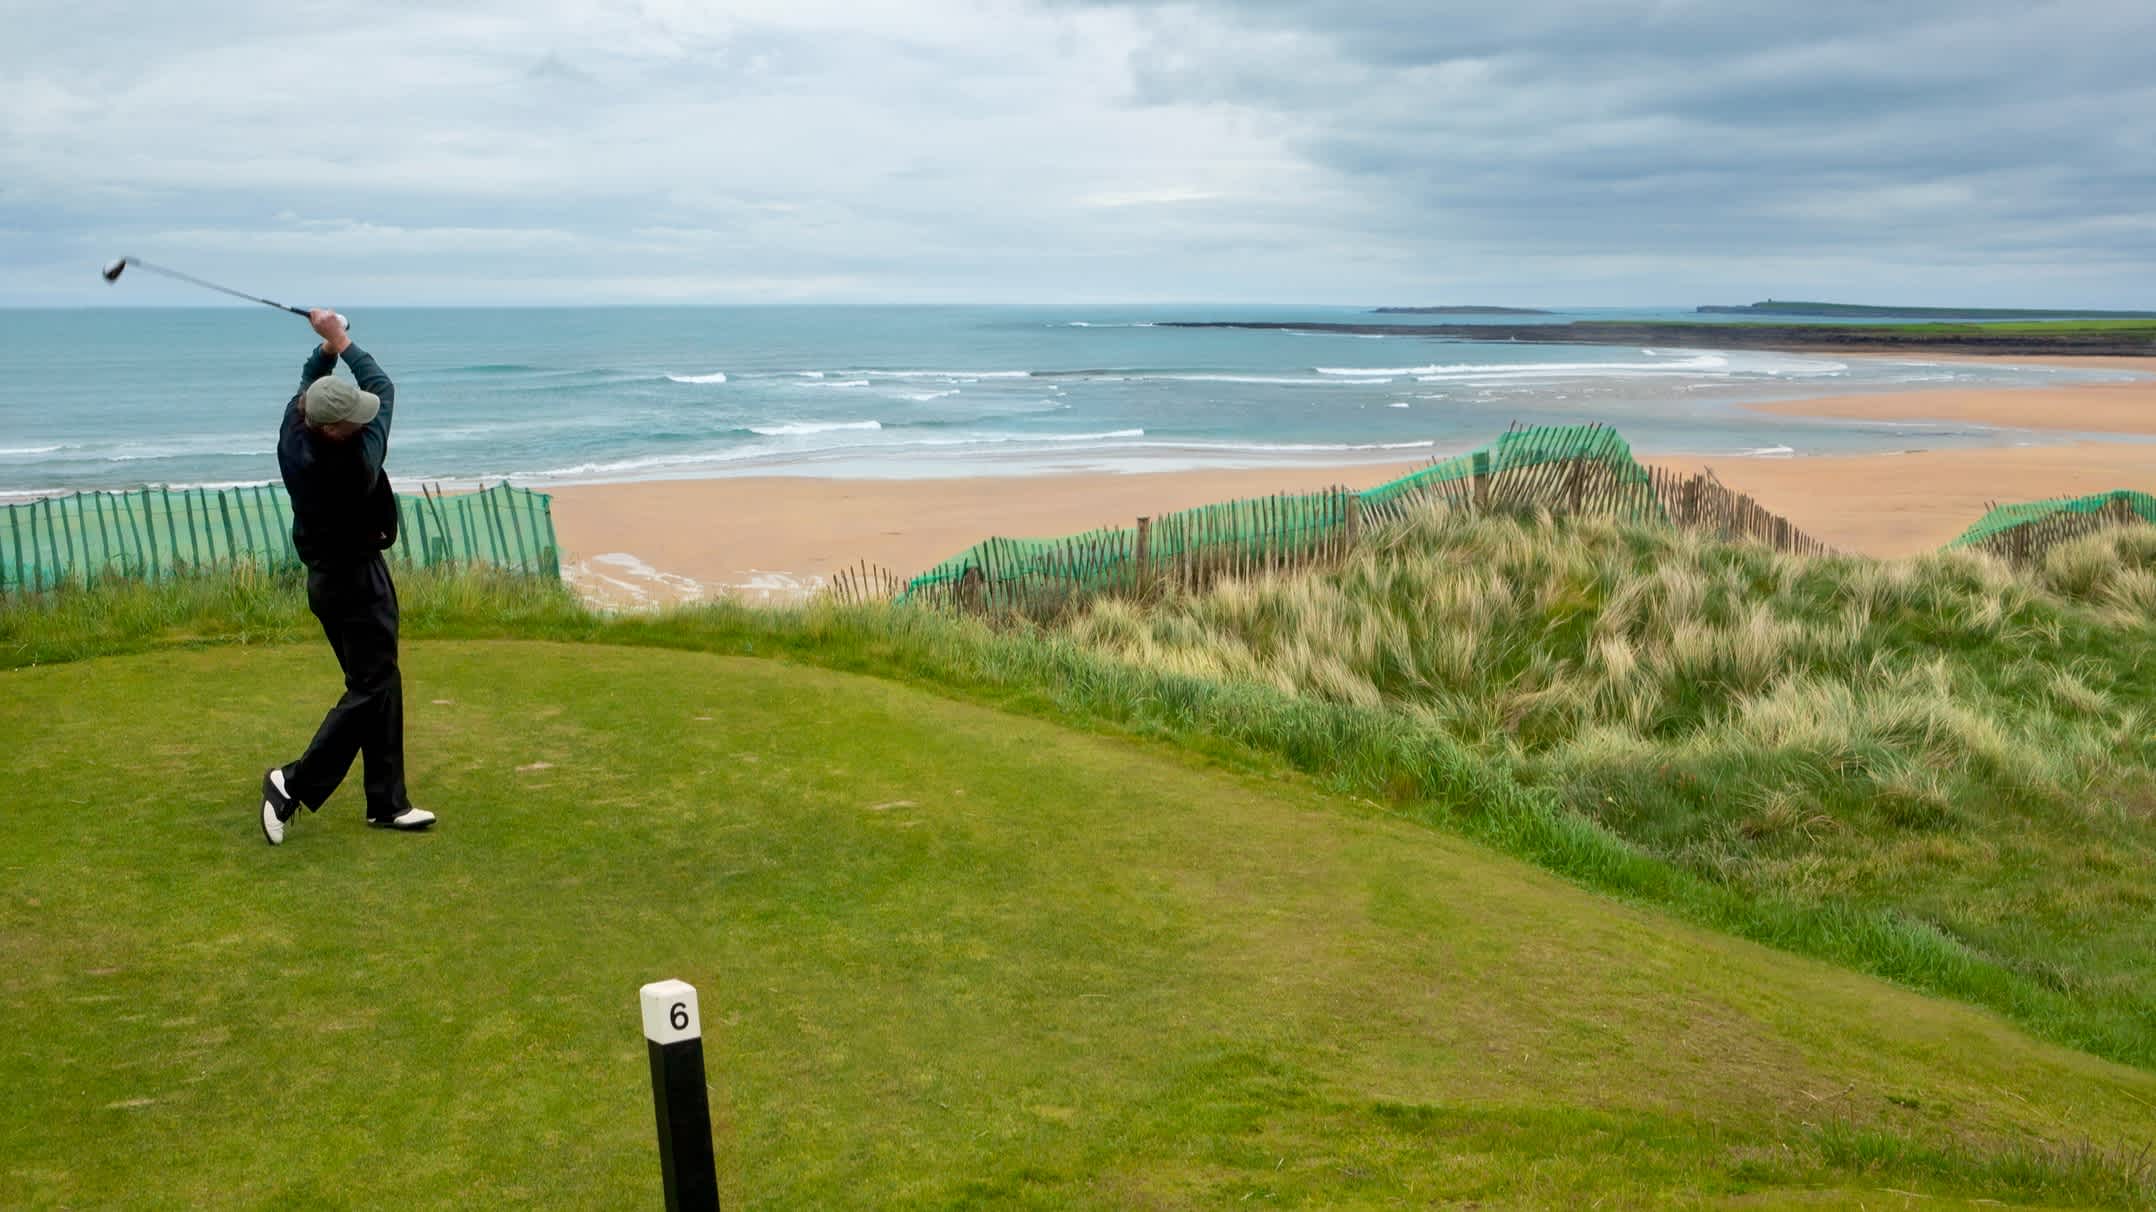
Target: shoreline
pixel 781 539
pixel 778 538
pixel 779 535
pixel 2097 408
pixel 1789 337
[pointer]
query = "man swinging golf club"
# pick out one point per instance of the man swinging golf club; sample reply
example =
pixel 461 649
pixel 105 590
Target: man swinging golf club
pixel 330 446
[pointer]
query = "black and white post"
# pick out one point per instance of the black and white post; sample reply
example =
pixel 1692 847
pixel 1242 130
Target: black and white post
pixel 675 1037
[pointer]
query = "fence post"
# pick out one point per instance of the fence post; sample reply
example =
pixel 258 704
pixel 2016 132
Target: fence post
pixel 674 1038
pixel 513 506
pixel 73 522
pixel 1145 557
pixel 553 545
pixel 14 526
pixel 104 534
pixel 232 543
pixel 52 542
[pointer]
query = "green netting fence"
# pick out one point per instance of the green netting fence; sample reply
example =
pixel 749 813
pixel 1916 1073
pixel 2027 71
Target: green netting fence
pixel 155 533
pixel 1194 545
pixel 1561 470
pixel 1595 463
pixel 2026 531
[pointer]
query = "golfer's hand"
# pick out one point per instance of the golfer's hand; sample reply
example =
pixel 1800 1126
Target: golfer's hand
pixel 330 326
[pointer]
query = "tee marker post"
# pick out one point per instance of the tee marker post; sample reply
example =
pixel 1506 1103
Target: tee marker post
pixel 675 1037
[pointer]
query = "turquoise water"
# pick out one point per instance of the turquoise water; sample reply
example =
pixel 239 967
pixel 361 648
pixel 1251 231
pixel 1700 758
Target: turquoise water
pixel 121 397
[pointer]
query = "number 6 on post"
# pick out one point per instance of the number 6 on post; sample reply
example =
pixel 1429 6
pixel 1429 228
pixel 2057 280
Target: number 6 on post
pixel 674 1036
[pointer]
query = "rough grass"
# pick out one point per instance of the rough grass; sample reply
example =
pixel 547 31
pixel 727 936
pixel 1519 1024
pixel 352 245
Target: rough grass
pixel 951 957
pixel 1965 747
pixel 245 604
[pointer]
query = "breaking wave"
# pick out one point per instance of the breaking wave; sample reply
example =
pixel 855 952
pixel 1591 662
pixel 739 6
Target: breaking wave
pixel 796 428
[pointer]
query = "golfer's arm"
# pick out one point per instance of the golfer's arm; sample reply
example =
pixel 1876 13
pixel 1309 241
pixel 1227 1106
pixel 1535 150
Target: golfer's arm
pixel 319 363
pixel 374 438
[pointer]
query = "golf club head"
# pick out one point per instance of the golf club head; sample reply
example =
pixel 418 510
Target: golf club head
pixel 113 271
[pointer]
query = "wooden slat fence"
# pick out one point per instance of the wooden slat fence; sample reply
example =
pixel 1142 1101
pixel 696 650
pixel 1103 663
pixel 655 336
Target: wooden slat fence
pixel 1568 471
pixel 156 533
pixel 2024 534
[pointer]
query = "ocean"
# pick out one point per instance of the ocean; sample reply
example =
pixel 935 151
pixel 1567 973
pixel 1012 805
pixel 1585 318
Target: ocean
pixel 114 398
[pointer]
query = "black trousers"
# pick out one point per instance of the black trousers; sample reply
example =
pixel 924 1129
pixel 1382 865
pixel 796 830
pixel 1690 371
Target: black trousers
pixel 357 604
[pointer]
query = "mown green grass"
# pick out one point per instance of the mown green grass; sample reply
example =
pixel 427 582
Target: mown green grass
pixel 2078 991
pixel 950 957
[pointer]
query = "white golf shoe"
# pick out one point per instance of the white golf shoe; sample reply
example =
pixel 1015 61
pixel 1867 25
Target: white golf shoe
pixel 410 819
pixel 278 806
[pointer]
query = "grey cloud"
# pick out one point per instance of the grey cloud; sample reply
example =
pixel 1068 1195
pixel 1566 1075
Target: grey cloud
pixel 1257 149
pixel 1930 135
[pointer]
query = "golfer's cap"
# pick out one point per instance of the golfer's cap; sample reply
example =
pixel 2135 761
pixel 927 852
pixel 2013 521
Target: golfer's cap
pixel 331 400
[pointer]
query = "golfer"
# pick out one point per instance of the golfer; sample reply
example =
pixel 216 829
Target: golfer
pixel 330 446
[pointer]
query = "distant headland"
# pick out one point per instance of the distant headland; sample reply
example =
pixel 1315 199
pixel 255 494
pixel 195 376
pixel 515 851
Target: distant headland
pixel 1468 309
pixel 1783 307
pixel 2105 337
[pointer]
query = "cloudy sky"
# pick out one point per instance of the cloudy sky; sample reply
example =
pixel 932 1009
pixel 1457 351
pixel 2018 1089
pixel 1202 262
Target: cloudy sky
pixel 1380 151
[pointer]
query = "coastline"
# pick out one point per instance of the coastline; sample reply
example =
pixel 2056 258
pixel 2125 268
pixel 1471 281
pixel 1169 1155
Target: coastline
pixel 778 538
pixel 2138 340
pixel 2115 408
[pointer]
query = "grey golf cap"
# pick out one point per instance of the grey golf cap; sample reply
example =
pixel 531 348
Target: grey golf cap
pixel 331 400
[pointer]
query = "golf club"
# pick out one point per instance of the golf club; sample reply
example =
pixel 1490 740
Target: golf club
pixel 114 270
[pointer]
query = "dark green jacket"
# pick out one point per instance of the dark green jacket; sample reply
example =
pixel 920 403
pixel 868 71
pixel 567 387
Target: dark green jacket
pixel 343 510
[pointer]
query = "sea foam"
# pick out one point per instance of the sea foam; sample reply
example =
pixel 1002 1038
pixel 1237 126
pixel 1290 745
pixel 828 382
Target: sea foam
pixel 1300 447
pixel 796 428
pixel 1700 363
pixel 1279 379
pixel 947 374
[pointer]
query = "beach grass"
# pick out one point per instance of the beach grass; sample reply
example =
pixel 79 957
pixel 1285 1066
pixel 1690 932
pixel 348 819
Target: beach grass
pixel 950 955
pixel 1946 743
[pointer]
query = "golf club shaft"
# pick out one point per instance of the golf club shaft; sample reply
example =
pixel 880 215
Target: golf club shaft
pixel 139 263
pixel 173 273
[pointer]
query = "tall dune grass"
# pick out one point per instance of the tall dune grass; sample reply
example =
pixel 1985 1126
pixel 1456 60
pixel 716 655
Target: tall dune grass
pixel 1576 646
pixel 1969 747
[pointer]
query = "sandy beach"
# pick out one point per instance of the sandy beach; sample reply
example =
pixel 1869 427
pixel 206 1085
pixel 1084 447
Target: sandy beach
pixel 778 537
pixel 2124 408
